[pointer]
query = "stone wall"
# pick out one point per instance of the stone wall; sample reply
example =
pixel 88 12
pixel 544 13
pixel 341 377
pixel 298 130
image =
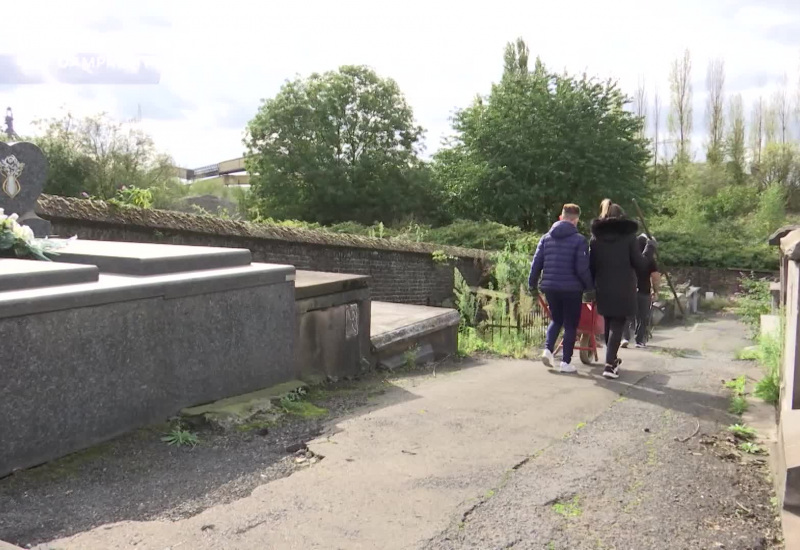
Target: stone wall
pixel 787 449
pixel 720 281
pixel 401 272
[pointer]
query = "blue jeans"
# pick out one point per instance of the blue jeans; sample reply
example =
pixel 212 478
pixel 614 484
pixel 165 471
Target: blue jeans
pixel 565 311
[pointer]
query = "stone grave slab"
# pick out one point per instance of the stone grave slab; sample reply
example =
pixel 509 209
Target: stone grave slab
pixel 24 274
pixel 23 173
pixel 309 284
pixel 146 259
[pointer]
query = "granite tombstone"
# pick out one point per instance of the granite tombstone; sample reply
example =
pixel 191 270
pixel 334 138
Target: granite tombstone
pixel 23 173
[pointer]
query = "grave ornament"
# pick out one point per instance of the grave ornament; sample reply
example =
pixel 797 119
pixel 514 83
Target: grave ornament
pixel 23 173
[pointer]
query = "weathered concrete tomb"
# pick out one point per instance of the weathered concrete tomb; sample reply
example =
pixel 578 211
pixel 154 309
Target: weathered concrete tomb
pixel 115 336
pixel 112 336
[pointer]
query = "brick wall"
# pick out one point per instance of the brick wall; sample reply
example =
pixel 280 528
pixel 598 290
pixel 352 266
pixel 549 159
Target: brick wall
pixel 720 281
pixel 401 272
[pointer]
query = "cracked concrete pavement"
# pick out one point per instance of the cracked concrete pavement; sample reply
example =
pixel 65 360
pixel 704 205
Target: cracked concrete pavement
pixel 657 470
pixel 476 458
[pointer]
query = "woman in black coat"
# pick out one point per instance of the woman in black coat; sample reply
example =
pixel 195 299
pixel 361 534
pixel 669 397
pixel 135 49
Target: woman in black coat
pixel 614 258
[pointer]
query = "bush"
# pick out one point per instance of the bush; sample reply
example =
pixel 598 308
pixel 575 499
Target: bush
pixel 714 249
pixel 166 195
pixel 350 228
pixel 469 342
pixel 463 233
pixel 716 304
pixel 483 235
pixel 510 270
pixel 753 302
pixel 771 211
pixel 706 217
pixel 133 196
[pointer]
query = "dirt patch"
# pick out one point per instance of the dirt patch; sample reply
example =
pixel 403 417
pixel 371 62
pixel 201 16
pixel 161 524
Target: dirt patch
pixel 749 508
pixel 139 477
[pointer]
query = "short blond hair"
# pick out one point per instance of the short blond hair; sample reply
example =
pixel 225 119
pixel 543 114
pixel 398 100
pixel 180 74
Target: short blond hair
pixel 571 211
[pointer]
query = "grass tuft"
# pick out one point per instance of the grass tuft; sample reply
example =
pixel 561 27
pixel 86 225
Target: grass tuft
pixel 738 405
pixel 751 448
pixel 769 353
pixel 742 431
pixel 569 509
pixel 179 437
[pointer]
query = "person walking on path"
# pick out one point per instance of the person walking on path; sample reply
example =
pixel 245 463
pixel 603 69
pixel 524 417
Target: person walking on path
pixel 562 260
pixel 648 283
pixel 614 260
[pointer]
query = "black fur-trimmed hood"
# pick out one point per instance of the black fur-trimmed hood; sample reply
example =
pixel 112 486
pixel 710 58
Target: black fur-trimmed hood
pixel 612 229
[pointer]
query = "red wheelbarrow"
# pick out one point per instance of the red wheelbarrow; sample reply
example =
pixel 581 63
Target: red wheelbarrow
pixel 591 331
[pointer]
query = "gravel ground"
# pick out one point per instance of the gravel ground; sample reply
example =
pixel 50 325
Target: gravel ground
pixel 139 477
pixel 658 470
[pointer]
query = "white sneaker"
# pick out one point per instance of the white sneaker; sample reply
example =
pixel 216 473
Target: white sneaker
pixel 547 358
pixel 625 343
pixel 566 368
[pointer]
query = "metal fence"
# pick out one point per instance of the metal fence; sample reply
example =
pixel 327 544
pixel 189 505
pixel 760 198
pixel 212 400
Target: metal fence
pixel 529 325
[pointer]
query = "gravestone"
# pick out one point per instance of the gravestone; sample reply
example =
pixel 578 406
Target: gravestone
pixel 23 173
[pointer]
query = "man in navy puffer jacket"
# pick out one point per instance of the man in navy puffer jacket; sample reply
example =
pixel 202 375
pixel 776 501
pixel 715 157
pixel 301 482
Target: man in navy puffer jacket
pixel 562 258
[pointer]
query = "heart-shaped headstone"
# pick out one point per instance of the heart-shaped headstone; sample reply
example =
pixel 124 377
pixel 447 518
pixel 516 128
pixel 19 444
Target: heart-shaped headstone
pixel 23 173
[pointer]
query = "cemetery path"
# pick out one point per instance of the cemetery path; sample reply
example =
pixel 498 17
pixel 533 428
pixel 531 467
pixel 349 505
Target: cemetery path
pixel 509 454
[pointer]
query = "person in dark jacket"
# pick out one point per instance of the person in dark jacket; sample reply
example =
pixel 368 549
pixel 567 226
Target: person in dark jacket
pixel 562 259
pixel 648 282
pixel 615 259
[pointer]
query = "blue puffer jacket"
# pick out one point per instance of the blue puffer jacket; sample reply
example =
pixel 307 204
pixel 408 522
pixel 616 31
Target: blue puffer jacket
pixel 563 256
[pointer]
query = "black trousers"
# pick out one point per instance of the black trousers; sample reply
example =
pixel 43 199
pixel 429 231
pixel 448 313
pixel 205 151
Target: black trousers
pixel 614 328
pixel 638 325
pixel 642 317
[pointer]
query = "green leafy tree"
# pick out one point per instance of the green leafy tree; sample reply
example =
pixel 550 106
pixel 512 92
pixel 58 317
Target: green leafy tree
pixel 736 142
pixel 715 111
pixel 68 171
pixel 338 146
pixel 771 211
pixel 540 139
pixel 680 117
pixel 98 155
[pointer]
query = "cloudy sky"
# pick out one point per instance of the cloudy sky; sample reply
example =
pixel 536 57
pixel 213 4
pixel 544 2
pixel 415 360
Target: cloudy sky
pixel 214 62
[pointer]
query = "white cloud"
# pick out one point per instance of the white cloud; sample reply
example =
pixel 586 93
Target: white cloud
pixel 218 61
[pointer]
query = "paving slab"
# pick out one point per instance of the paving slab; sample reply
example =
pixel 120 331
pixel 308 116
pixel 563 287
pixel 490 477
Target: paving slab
pixel 24 274
pixel 309 284
pixel 143 259
pixel 392 322
pixel 388 316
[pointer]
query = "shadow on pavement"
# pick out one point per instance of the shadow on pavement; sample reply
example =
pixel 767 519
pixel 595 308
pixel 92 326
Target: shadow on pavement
pixel 654 388
pixel 138 477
